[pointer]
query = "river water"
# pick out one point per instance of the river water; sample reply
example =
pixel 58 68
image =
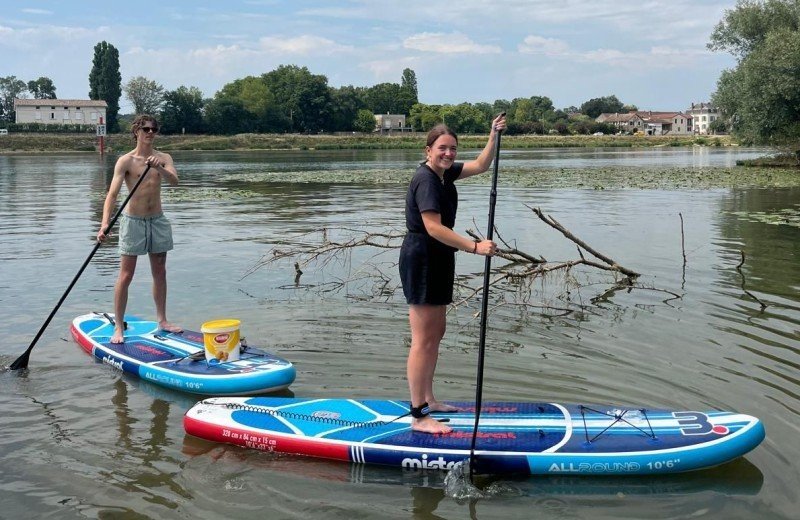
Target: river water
pixel 80 440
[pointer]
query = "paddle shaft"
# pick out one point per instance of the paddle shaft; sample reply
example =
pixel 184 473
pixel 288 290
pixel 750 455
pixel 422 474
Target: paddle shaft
pixel 484 309
pixel 22 361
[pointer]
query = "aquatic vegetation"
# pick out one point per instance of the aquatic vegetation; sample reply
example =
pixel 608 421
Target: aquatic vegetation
pixel 198 194
pixel 617 177
pixel 779 217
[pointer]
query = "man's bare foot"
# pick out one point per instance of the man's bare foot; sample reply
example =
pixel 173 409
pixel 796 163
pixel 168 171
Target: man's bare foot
pixel 428 424
pixel 438 406
pixel 169 327
pixel 118 337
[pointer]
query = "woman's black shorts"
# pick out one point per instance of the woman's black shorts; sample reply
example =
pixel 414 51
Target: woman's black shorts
pixel 427 270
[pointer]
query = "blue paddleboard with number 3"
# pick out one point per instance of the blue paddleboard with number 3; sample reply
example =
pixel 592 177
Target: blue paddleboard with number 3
pixel 512 437
pixel 177 359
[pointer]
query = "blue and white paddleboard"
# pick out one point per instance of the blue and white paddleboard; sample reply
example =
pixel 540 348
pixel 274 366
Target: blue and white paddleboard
pixel 177 360
pixel 533 438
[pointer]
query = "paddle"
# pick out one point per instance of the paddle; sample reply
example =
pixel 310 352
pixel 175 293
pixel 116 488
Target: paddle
pixel 484 308
pixel 22 361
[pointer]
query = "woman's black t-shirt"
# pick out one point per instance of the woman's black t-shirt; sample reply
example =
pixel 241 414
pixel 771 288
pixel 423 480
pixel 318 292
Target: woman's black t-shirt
pixel 427 266
pixel 429 193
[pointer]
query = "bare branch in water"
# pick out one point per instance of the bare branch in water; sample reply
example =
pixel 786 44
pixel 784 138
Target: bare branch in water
pixel 748 293
pixel 512 283
pixel 552 222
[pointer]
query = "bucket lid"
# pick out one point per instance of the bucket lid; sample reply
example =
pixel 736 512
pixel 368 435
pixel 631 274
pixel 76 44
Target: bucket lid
pixel 217 326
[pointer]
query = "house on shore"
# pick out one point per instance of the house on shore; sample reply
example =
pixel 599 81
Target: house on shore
pixel 60 111
pixel 667 123
pixel 703 114
pixel 388 123
pixel 649 122
pixel 628 122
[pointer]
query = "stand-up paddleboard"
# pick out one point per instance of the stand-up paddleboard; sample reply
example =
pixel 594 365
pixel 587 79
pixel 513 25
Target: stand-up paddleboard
pixel 177 359
pixel 533 438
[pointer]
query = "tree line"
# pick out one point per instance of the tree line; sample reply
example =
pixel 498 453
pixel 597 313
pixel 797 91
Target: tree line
pixel 293 99
pixel 759 98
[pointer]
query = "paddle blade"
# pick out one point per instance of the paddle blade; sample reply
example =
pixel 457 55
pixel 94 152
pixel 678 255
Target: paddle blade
pixel 22 361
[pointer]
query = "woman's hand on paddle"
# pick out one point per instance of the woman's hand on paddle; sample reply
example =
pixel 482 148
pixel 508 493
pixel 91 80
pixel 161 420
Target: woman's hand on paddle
pixel 485 248
pixel 499 123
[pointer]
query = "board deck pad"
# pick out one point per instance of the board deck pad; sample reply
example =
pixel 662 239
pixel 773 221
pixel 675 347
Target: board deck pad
pixel 534 438
pixel 177 360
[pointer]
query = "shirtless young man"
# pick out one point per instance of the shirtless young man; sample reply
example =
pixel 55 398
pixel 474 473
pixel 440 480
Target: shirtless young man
pixel 143 227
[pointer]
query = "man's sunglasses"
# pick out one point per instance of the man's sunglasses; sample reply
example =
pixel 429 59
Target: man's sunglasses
pixel 148 129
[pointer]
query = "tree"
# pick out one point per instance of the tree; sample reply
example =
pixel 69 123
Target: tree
pixel 535 108
pixel 303 99
pixel 365 121
pixel 596 106
pixel 501 105
pixel 105 81
pixel 42 88
pixel 465 118
pixel 747 26
pixel 487 110
pixel 409 83
pixel 225 115
pixel 718 126
pixel 408 91
pixel 424 117
pixel 146 95
pixel 10 89
pixel 257 99
pixel 182 111
pixel 761 95
pixel 347 103
pixel 385 98
pixel 461 118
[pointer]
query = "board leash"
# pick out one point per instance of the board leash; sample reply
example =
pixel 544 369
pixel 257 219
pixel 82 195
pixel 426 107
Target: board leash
pixel 306 417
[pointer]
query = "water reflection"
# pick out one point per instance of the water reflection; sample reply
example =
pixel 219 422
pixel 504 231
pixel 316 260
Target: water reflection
pixel 712 490
pixel 120 441
pixel 343 160
pixel 150 453
pixel 697 157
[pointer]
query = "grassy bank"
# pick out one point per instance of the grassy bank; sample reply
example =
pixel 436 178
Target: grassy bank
pixel 779 160
pixel 33 143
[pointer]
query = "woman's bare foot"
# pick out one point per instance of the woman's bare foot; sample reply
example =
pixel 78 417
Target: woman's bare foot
pixel 428 424
pixel 118 337
pixel 438 406
pixel 169 327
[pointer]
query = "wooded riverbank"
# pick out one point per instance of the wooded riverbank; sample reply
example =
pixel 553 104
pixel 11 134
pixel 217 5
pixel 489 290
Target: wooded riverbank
pixel 115 143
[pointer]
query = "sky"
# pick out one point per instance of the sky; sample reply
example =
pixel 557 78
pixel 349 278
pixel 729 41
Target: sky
pixel 649 53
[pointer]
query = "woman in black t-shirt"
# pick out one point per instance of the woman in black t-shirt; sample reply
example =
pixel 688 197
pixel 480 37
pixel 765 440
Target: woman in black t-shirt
pixel 427 260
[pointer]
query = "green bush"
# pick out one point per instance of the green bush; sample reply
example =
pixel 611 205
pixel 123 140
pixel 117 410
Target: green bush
pixel 50 129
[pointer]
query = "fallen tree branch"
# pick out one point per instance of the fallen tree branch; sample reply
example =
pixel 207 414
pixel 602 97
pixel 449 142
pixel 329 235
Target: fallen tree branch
pixel 552 222
pixel 512 282
pixel 748 293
